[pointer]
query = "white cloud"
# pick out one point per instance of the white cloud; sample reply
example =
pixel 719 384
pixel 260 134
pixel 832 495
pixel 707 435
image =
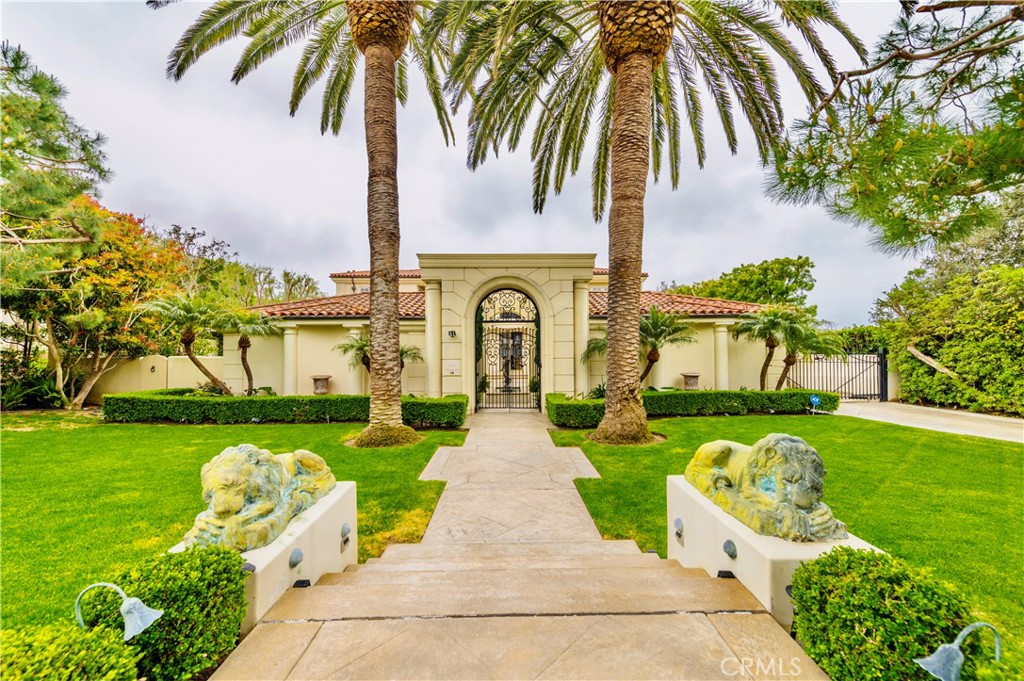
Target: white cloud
pixel 228 159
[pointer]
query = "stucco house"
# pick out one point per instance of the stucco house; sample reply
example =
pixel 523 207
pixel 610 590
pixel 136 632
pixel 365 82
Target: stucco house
pixel 502 328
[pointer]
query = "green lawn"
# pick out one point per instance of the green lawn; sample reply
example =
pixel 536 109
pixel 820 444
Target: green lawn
pixel 82 498
pixel 951 502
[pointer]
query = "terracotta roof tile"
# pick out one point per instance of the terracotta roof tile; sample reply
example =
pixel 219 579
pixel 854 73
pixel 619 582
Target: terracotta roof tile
pixel 675 303
pixel 415 274
pixel 362 274
pixel 411 306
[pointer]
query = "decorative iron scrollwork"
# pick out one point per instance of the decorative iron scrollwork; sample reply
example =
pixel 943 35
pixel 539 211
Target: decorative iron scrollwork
pixel 508 361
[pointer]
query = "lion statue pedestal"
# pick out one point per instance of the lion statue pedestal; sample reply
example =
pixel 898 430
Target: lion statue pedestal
pixel 286 515
pixel 756 512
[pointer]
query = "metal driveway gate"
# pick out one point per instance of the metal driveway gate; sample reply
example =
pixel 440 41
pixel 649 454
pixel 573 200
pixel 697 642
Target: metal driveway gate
pixel 507 356
pixel 857 377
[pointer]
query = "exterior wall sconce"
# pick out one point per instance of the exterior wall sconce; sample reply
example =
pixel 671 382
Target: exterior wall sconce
pixel 451 333
pixel 137 615
pixel 945 663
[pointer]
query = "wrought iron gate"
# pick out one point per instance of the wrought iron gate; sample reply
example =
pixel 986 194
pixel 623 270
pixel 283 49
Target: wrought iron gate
pixel 857 377
pixel 507 352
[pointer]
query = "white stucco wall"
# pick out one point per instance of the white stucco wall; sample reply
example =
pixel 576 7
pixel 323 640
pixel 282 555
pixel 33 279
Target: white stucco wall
pixel 745 360
pixel 315 356
pixel 153 372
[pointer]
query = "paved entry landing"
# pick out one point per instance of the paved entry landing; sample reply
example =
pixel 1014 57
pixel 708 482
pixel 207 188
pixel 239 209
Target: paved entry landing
pixel 513 581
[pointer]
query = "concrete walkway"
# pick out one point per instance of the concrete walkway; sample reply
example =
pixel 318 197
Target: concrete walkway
pixel 513 581
pixel 943 420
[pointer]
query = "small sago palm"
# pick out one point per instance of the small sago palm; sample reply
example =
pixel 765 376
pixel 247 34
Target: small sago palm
pixel 190 318
pixel 336 33
pixel 248 324
pixel 809 340
pixel 631 73
pixel 773 325
pixel 657 331
pixel 358 350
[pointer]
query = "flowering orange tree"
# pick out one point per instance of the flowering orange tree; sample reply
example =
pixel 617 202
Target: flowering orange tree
pixel 87 311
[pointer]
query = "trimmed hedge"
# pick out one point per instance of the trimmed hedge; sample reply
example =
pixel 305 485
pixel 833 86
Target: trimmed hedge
pixel 182 405
pixel 202 594
pixel 866 615
pixel 63 652
pixel 572 413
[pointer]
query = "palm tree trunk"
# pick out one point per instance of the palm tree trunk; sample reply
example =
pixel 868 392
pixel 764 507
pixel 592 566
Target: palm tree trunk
pixel 206 372
pixel 243 351
pixel 382 213
pixel 652 358
pixel 625 420
pixel 787 364
pixel 767 363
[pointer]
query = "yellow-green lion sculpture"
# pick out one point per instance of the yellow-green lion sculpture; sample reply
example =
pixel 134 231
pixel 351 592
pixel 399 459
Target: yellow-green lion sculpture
pixel 251 495
pixel 774 487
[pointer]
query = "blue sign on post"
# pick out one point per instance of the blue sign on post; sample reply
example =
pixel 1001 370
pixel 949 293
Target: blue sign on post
pixel 815 400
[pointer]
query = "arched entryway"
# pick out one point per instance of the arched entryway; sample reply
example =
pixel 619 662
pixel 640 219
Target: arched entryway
pixel 507 351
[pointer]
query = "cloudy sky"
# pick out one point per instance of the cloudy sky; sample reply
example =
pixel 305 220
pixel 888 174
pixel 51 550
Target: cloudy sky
pixel 229 160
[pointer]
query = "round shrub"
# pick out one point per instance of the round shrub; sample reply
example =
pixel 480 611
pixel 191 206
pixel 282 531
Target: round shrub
pixel 202 594
pixel 866 615
pixel 65 653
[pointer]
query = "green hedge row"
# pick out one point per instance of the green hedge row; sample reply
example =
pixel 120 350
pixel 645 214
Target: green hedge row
pixel 182 405
pixel 202 595
pixel 572 413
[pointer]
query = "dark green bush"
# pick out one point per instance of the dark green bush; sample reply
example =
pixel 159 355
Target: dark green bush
pixel 568 413
pixel 866 615
pixel 571 413
pixel 202 594
pixel 62 652
pixel 182 405
pixel 435 412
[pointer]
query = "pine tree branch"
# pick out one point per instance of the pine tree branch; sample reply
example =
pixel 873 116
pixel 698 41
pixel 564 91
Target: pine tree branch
pixel 1016 14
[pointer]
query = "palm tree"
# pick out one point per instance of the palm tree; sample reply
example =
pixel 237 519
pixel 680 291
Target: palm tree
pixel 336 33
pixel 190 318
pixel 808 339
pixel 657 330
pixel 774 325
pixel 623 66
pixel 247 324
pixel 358 349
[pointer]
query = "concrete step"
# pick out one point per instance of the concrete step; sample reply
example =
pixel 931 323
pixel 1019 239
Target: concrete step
pixel 512 562
pixel 453 551
pixel 370 575
pixel 475 593
pixel 670 646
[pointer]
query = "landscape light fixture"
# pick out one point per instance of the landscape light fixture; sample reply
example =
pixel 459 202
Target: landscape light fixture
pixel 945 663
pixel 137 615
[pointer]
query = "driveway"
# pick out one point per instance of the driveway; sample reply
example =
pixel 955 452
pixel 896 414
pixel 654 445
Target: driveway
pixel 943 420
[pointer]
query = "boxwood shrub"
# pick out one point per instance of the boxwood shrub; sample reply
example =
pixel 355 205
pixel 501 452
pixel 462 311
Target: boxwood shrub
pixel 202 594
pixel 66 652
pixel 183 405
pixel 572 413
pixel 866 615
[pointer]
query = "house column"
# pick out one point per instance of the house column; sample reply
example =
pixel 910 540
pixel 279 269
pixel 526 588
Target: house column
pixel 433 359
pixel 291 361
pixel 721 356
pixel 581 311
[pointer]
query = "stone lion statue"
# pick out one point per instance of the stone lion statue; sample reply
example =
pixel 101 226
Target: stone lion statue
pixel 251 495
pixel 774 487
